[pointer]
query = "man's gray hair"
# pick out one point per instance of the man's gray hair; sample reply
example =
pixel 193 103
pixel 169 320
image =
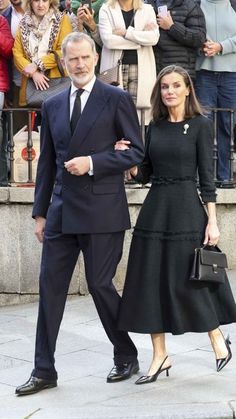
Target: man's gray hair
pixel 77 37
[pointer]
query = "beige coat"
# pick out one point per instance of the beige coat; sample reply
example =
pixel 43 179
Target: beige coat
pixel 136 38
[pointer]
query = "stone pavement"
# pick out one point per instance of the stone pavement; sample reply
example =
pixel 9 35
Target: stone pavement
pixel 84 357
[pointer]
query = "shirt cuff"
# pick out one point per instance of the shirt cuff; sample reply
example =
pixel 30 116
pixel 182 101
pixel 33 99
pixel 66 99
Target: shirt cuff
pixel 90 172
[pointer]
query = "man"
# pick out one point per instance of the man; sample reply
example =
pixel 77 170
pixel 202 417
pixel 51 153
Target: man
pixel 4 4
pixel 14 14
pixel 182 32
pixel 88 212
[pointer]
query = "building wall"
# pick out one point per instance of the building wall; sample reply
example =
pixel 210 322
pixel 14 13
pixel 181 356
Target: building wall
pixel 20 251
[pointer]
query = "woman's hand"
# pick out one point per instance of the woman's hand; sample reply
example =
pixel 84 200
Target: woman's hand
pixel 122 144
pixel 150 27
pixel 212 234
pixel 40 81
pixel 119 32
pixel 86 17
pixel 30 69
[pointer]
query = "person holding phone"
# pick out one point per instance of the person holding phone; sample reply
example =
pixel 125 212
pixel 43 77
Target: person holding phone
pixel 84 18
pixel 128 30
pixel 182 32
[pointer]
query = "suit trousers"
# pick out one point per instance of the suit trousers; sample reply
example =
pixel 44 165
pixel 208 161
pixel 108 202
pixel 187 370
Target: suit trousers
pixel 102 253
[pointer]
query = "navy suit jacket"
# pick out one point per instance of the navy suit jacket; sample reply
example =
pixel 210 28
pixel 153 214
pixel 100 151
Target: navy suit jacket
pixel 87 204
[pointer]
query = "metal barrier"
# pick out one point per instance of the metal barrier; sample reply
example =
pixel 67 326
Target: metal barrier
pixel 232 150
pixel 9 113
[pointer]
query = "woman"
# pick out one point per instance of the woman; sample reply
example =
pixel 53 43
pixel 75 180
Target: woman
pixel 216 74
pixel 158 296
pixel 41 31
pixel 87 22
pixel 128 30
pixel 95 5
pixel 6 44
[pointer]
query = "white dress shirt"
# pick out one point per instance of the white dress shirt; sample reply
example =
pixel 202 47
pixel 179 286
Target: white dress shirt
pixel 83 98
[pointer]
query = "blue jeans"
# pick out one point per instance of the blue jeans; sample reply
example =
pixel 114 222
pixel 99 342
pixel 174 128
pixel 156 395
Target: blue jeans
pixel 218 90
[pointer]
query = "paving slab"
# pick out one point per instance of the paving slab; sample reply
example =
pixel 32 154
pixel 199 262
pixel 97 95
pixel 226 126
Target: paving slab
pixel 84 357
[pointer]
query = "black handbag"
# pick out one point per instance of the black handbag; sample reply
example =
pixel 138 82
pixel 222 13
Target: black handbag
pixel 209 265
pixel 35 98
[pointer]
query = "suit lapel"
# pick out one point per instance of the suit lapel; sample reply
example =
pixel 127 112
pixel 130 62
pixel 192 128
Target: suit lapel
pixel 95 103
pixel 62 116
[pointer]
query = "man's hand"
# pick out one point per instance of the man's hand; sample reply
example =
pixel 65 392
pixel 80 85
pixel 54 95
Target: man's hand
pixel 78 166
pixel 165 22
pixel 39 228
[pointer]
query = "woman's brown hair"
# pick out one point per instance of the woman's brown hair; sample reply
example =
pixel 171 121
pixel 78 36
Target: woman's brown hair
pixel 54 4
pixel 159 109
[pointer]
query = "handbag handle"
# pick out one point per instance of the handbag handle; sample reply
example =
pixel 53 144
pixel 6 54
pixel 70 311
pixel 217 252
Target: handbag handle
pixel 58 62
pixel 204 246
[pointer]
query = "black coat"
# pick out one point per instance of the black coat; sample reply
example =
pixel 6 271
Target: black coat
pixel 87 204
pixel 180 44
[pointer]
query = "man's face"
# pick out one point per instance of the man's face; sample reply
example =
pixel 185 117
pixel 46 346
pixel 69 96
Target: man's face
pixel 80 62
pixel 4 4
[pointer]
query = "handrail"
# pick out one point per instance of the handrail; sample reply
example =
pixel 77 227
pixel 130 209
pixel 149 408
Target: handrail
pixel 30 143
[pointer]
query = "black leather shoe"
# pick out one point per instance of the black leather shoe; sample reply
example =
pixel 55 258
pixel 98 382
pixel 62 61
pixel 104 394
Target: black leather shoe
pixel 222 362
pixel 122 371
pixel 151 378
pixel 34 385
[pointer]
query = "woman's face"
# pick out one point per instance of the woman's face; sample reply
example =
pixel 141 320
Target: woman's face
pixel 173 90
pixel 40 7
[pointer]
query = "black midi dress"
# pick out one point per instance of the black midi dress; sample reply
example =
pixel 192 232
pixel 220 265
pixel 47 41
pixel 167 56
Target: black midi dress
pixel 158 296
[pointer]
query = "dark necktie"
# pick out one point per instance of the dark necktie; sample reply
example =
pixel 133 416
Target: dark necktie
pixel 76 110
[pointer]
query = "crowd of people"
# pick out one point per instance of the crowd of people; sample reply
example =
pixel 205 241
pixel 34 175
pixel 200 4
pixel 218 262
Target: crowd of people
pixel 145 36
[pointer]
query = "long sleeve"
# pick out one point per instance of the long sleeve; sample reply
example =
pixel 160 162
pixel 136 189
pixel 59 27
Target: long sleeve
pixel 127 126
pixel 6 39
pixel 46 169
pixel 143 37
pixel 20 59
pixel 110 40
pixel 193 32
pixel 65 28
pixel 205 161
pixel 145 169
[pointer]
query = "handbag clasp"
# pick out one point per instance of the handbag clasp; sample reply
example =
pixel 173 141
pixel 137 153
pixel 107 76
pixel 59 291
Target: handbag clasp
pixel 214 266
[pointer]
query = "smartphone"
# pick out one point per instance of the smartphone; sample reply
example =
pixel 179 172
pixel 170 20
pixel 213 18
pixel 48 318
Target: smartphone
pixel 162 10
pixel 88 4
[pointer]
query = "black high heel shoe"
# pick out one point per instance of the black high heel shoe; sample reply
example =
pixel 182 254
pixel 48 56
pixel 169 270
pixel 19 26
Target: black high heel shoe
pixel 222 362
pixel 145 379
